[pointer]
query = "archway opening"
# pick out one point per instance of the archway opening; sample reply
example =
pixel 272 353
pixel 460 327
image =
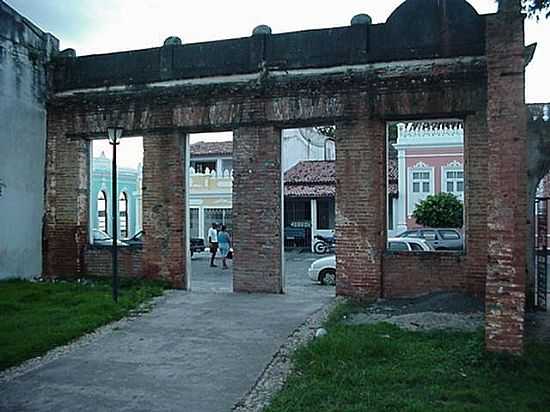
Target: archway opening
pixel 129 192
pixel 309 210
pixel 209 207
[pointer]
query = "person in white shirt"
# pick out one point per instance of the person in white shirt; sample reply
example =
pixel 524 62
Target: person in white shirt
pixel 213 243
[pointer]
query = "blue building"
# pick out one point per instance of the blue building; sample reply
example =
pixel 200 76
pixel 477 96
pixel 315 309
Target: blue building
pixel 129 198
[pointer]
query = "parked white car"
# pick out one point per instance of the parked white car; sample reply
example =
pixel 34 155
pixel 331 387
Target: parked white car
pixel 324 270
pixel 104 239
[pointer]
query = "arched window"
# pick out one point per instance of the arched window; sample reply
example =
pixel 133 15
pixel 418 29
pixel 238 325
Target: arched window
pixel 330 149
pixel 102 211
pixel 123 214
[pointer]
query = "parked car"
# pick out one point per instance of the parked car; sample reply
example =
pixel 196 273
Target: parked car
pixel 196 244
pixel 324 270
pixel 102 238
pixel 409 244
pixel 440 239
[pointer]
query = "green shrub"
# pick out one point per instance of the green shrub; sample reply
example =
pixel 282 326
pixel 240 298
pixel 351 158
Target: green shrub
pixel 440 210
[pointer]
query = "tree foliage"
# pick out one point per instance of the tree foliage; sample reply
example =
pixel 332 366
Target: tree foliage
pixel 440 210
pixel 537 8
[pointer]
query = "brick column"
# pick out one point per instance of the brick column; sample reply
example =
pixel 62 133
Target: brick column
pixel 164 171
pixel 257 210
pixel 475 201
pixel 360 207
pixel 507 214
pixel 67 185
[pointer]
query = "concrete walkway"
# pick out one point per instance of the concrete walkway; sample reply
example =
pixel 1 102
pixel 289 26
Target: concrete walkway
pixel 194 351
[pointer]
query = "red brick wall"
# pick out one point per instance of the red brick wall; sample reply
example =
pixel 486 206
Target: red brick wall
pixel 507 203
pixel 164 251
pixel 359 104
pixel 409 275
pixel 99 261
pixel 363 269
pixel 257 210
pixel 361 160
pixel 66 220
pixel 415 274
pixel 475 202
pixel 360 207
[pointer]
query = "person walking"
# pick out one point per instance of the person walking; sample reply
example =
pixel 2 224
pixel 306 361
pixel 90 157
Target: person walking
pixel 224 241
pixel 213 243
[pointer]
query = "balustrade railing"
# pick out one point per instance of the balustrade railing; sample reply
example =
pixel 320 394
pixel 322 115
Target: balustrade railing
pixel 441 129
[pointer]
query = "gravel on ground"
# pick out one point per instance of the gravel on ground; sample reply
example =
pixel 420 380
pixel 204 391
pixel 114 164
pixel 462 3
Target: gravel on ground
pixel 442 310
pixel 277 371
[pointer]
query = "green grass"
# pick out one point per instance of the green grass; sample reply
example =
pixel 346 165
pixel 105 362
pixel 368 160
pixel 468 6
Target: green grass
pixel 36 317
pixel 383 368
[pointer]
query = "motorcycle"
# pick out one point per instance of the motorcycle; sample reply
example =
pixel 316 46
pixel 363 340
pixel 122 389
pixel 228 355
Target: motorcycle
pixel 324 244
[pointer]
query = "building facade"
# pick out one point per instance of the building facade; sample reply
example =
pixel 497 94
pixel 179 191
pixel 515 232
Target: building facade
pixel 129 198
pixel 430 160
pixel 210 186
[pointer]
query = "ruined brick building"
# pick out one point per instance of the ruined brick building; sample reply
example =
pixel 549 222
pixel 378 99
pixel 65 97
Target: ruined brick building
pixel 455 65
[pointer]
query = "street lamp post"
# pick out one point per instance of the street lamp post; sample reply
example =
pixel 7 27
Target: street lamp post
pixel 115 134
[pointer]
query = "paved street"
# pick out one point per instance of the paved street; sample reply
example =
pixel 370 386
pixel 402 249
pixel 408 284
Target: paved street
pixel 196 351
pixel 204 278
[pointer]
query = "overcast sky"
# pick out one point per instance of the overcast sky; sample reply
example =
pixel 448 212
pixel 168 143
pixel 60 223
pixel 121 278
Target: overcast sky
pixel 101 26
pixel 129 151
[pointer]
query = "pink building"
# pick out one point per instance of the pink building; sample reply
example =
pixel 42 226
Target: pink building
pixel 430 160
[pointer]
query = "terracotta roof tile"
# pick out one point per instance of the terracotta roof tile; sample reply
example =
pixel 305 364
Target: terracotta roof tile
pixel 311 179
pixel 211 148
pixel 315 179
pixel 310 191
pixel 312 171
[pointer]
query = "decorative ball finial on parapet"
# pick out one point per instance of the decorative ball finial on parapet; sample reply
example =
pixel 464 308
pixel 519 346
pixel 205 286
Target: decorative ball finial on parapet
pixel 173 41
pixel 261 29
pixel 361 19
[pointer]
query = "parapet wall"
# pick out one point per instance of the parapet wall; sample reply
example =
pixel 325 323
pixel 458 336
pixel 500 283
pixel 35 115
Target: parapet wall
pixel 441 28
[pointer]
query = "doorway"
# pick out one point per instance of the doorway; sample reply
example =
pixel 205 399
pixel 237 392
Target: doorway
pixel 209 207
pixel 309 221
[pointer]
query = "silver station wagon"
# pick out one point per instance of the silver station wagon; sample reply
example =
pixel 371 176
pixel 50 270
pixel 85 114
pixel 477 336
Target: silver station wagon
pixel 438 238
